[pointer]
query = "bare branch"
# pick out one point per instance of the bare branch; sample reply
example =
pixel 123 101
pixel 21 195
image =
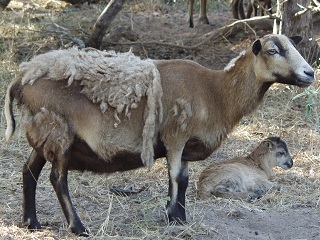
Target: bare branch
pixel 316 2
pixel 277 24
pixel 309 8
pixel 266 11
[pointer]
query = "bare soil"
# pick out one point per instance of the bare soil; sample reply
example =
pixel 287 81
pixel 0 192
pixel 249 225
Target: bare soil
pixel 28 28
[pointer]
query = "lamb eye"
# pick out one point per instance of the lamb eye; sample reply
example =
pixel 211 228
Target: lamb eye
pixel 281 153
pixel 272 51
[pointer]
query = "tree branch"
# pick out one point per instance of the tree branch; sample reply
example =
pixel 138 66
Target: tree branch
pixel 309 8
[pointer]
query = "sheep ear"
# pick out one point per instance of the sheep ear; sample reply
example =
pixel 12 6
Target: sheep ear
pixel 296 39
pixel 256 47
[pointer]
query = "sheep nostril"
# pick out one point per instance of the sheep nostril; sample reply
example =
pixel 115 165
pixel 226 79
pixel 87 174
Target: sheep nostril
pixel 289 163
pixel 309 73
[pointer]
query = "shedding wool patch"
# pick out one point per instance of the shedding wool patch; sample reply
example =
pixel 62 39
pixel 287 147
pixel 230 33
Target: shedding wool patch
pixel 115 81
pixel 233 61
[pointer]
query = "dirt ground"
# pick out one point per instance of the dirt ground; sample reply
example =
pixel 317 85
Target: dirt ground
pixel 28 28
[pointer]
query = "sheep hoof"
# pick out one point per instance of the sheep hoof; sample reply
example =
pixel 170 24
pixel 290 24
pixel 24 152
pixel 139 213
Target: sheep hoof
pixel 257 194
pixel 277 187
pixel 177 221
pixel 79 230
pixel 83 234
pixel 203 20
pixel 33 225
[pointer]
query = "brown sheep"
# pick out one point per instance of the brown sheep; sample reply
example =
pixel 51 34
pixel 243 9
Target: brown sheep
pixel 106 112
pixel 246 177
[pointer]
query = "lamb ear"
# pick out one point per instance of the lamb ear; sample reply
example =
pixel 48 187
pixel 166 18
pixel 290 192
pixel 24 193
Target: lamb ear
pixel 256 47
pixel 296 39
pixel 269 144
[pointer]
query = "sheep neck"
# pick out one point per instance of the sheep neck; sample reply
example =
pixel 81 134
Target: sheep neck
pixel 241 91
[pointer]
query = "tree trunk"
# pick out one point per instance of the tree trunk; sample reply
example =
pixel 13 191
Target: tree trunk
pixel 103 22
pixel 301 25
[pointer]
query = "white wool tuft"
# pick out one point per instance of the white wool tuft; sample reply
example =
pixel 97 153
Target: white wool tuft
pixel 233 61
pixel 117 80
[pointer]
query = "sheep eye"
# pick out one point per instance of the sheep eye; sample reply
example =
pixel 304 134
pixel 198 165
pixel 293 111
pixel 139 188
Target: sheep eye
pixel 272 51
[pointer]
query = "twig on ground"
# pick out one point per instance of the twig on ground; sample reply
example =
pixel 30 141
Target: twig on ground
pixel 66 32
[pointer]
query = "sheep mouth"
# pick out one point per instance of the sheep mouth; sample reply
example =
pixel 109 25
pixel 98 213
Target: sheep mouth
pixel 288 165
pixel 295 79
pixel 306 79
pixel 304 84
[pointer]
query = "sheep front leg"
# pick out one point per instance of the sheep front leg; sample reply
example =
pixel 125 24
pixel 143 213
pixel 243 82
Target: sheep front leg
pixel 58 178
pixel 31 171
pixel 178 183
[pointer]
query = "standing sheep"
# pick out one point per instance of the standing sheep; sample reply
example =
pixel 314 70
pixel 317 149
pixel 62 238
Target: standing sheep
pixel 106 112
pixel 246 177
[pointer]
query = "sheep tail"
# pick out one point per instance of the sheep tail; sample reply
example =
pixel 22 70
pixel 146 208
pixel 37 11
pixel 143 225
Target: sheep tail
pixel 8 112
pixel 153 109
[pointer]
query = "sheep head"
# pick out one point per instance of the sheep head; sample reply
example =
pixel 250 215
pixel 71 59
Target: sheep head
pixel 278 60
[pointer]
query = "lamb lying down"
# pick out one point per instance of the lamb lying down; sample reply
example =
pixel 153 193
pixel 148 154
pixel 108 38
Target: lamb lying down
pixel 246 177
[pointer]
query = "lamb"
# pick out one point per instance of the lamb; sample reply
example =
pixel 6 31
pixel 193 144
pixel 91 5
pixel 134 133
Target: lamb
pixel 246 177
pixel 106 112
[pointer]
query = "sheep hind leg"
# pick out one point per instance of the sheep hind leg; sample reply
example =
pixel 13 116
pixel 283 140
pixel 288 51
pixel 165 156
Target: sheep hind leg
pixel 182 188
pixel 31 171
pixel 231 192
pixel 190 9
pixel 203 19
pixel 234 195
pixel 58 178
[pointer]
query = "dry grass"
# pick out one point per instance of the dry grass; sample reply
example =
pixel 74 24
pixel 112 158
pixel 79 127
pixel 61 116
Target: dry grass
pixel 30 30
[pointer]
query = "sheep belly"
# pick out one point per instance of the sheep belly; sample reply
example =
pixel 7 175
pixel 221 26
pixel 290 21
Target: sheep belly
pixel 196 150
pixel 84 159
